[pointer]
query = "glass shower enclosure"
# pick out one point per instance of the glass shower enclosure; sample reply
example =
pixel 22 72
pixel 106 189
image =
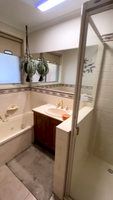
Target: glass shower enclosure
pixel 90 164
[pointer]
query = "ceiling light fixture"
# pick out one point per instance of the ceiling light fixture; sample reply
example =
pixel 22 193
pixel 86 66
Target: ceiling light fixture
pixel 44 5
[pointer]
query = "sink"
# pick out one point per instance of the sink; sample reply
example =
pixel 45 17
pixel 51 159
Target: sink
pixel 56 112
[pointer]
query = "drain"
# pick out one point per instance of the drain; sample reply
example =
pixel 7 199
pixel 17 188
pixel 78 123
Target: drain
pixel 110 171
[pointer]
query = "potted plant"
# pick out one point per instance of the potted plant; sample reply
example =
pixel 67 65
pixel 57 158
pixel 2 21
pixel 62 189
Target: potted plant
pixel 42 68
pixel 88 66
pixel 28 65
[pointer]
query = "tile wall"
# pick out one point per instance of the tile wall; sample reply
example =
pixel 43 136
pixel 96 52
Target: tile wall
pixel 19 97
pixel 38 99
pixel 15 146
pixel 61 154
pixel 103 147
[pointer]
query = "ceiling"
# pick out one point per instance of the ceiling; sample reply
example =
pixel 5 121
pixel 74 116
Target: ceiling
pixel 104 21
pixel 18 13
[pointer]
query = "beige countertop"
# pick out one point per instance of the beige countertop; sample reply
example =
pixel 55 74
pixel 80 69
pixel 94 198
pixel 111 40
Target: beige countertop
pixel 42 110
pixel 65 125
pixel 83 113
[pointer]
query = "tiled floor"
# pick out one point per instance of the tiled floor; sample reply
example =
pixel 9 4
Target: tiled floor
pixel 12 189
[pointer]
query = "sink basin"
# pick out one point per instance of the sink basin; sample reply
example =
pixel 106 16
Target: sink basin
pixel 55 112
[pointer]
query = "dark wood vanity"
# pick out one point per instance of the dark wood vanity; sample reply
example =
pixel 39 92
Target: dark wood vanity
pixel 45 130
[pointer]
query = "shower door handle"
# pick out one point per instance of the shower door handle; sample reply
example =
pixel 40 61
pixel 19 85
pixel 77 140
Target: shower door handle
pixel 77 130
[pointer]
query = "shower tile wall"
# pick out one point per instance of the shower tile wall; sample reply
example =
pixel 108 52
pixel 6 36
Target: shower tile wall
pixel 103 147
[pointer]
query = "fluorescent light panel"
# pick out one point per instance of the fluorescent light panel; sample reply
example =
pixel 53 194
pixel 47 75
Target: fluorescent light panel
pixel 44 5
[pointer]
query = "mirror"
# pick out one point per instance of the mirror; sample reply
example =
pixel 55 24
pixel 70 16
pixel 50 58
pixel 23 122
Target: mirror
pixel 63 66
pixel 62 70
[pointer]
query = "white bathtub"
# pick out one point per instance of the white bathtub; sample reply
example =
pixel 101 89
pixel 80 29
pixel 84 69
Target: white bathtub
pixel 13 127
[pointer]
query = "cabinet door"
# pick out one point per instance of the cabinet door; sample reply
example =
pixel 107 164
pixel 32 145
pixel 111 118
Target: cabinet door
pixel 54 123
pixel 41 126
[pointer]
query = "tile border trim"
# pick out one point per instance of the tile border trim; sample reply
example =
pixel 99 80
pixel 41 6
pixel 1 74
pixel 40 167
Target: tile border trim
pixel 47 89
pixel 13 90
pixel 107 37
pixel 54 93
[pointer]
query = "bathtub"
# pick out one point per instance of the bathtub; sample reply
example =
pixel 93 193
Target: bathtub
pixel 15 126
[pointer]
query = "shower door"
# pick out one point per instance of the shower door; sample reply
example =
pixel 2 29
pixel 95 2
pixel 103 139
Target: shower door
pixel 88 176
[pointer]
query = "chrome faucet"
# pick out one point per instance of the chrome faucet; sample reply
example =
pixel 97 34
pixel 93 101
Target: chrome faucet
pixel 60 103
pixel 1 119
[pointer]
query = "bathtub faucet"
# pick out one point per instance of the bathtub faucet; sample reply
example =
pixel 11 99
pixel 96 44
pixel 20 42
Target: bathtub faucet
pixel 1 119
pixel 60 103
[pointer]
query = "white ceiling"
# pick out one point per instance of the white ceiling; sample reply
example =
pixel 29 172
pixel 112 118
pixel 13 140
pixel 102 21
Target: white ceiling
pixel 18 13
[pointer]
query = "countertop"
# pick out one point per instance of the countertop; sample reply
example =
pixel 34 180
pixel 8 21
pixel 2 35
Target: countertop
pixel 65 125
pixel 42 110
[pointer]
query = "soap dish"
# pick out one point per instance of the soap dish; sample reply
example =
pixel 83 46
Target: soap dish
pixel 13 107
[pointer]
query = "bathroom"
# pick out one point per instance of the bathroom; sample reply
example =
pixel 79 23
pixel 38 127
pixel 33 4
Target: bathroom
pixel 26 98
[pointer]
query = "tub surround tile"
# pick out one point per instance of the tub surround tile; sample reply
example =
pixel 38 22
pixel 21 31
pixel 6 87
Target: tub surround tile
pixel 21 99
pixel 15 146
pixel 13 90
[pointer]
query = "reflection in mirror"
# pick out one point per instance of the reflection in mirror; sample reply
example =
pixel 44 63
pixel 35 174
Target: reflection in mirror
pixel 62 69
pixel 91 68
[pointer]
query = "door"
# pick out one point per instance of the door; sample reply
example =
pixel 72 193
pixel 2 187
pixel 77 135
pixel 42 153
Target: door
pixel 41 123
pixel 83 176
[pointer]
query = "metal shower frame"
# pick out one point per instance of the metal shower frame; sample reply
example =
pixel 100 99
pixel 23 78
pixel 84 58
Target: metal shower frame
pixel 89 8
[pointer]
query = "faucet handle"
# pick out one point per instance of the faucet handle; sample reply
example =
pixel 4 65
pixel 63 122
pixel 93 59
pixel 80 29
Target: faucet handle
pixel 66 107
pixel 6 115
pixel 57 105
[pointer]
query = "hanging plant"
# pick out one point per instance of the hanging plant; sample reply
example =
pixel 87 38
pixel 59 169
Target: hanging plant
pixel 88 66
pixel 42 68
pixel 28 65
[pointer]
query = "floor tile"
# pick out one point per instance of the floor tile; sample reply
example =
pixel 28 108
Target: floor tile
pixel 30 197
pixel 4 173
pixel 12 188
pixel 54 197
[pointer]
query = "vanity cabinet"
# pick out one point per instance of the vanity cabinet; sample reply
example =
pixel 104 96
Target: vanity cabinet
pixel 45 130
